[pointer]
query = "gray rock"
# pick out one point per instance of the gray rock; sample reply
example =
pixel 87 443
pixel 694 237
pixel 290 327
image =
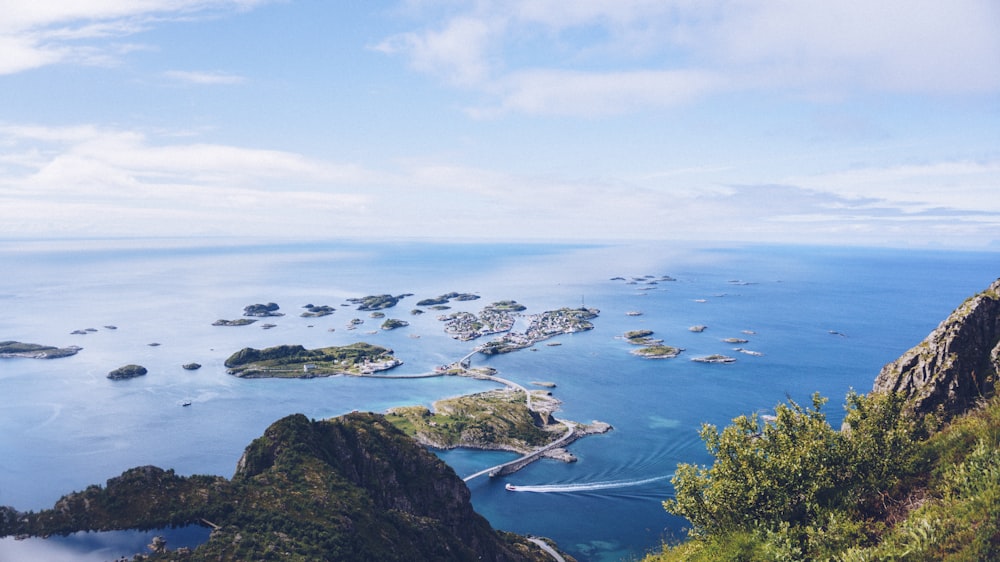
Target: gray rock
pixel 956 364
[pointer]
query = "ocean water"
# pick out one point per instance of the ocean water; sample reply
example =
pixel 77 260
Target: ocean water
pixel 824 319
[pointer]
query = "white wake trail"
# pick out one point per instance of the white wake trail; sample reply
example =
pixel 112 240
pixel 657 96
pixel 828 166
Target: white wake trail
pixel 587 487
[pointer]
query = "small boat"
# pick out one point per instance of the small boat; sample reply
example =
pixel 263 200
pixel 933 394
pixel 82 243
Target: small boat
pixel 511 488
pixel 186 403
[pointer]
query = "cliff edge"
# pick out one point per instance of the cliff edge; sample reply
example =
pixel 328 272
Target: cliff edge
pixel 955 365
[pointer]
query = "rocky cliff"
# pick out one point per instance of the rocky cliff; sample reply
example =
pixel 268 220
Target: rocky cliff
pixel 956 364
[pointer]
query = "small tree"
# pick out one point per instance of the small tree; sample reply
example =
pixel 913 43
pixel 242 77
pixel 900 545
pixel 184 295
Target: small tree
pixel 764 473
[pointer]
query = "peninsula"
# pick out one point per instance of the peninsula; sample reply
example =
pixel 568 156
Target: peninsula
pixel 10 349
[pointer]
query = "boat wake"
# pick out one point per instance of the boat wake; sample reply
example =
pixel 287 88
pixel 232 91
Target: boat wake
pixel 585 487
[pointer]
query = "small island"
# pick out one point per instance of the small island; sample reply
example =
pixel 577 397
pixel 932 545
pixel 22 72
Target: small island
pixel 127 372
pixel 641 337
pixel 658 351
pixel 237 322
pixel 715 358
pixel 393 323
pixel 508 306
pixel 314 311
pixel 10 349
pixel 448 297
pixel 377 302
pixel 191 366
pixel 263 310
pixel 735 340
pixel 295 361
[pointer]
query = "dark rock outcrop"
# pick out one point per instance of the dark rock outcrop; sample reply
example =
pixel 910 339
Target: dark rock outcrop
pixel 127 372
pixel 956 364
pixel 269 309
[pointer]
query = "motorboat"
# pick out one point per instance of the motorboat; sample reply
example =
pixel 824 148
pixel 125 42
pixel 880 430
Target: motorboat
pixel 511 488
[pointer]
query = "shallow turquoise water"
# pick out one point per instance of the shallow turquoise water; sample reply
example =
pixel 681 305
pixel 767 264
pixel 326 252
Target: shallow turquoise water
pixel 66 426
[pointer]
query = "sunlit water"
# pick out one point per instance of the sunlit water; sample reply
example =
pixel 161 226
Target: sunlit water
pixel 823 319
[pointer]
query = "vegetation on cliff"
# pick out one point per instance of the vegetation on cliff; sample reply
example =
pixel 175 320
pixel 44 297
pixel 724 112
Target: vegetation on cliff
pixel 886 488
pixel 351 488
pixel 913 474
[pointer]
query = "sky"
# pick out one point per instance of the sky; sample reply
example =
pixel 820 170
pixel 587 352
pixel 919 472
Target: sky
pixel 773 121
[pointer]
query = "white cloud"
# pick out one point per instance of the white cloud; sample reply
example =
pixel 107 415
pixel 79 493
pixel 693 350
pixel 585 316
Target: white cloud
pixel 204 78
pixel 458 52
pixel 808 48
pixel 34 34
pixel 962 186
pixel 89 180
pixel 605 93
pixel 93 181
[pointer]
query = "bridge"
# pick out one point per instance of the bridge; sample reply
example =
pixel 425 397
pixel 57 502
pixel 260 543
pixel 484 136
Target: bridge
pixel 521 462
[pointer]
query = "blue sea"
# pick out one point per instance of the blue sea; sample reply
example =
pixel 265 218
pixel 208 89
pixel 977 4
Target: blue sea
pixel 822 319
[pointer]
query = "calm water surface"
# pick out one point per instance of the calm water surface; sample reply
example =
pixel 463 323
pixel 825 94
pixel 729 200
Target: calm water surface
pixel 67 426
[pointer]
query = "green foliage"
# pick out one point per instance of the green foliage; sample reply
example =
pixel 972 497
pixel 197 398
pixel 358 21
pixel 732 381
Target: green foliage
pixel 759 476
pixel 882 488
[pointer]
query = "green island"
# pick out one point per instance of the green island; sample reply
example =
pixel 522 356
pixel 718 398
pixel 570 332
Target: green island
pixel 495 420
pixel 9 349
pixel 641 337
pixel 295 361
pixel 377 302
pixel 393 323
pixel 658 351
pixel 508 306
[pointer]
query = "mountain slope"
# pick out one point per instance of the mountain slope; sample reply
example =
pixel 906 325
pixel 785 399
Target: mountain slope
pixel 349 488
